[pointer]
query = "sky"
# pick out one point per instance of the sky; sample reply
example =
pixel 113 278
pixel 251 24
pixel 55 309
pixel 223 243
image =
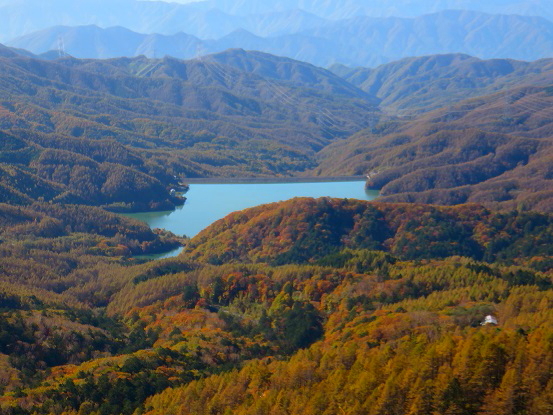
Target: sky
pixel 178 1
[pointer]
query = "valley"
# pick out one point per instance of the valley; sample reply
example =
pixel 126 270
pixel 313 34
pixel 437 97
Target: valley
pixel 235 115
pixel 368 227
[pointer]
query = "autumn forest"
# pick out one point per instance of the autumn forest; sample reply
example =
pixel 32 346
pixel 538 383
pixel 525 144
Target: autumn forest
pixel 435 299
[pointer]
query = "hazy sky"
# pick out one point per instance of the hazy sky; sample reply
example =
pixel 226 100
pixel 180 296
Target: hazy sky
pixel 178 1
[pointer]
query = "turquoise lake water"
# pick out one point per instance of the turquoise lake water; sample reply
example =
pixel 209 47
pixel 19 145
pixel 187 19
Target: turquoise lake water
pixel 207 203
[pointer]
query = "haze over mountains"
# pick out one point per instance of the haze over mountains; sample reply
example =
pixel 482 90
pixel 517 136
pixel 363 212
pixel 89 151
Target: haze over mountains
pixel 339 9
pixel 220 17
pixel 360 41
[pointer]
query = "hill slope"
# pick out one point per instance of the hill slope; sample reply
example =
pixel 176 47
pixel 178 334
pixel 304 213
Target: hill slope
pixel 346 312
pixel 305 230
pixel 425 83
pixel 124 131
pixel 494 149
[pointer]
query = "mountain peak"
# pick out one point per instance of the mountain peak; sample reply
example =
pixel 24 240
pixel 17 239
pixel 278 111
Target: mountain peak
pixel 240 34
pixel 288 70
pixel 6 52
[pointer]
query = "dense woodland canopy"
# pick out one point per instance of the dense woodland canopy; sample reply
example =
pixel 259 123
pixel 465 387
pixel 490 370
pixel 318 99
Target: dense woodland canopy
pixel 307 306
pixel 377 308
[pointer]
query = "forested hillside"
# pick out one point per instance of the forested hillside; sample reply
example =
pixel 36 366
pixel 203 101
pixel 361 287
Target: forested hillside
pixel 494 149
pixel 307 230
pixel 435 300
pixel 121 133
pixel 376 308
pixel 415 85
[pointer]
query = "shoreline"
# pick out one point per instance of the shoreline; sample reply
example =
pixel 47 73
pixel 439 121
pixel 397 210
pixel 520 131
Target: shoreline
pixel 272 180
pixel 160 219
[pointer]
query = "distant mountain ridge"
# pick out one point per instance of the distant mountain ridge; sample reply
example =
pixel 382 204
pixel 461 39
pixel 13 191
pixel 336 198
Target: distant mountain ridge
pixel 198 19
pixel 413 85
pixel 487 36
pixel 361 41
pixel 340 9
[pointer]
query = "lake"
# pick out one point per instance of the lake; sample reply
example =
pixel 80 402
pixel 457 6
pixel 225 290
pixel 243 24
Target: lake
pixel 207 203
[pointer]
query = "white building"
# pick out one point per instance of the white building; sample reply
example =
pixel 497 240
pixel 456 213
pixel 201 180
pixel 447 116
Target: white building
pixel 489 320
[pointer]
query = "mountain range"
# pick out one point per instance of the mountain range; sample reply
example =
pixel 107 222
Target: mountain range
pixel 400 306
pixel 470 130
pixel 414 85
pixel 89 131
pixel 490 148
pixel 360 41
pixel 218 18
pixel 340 9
